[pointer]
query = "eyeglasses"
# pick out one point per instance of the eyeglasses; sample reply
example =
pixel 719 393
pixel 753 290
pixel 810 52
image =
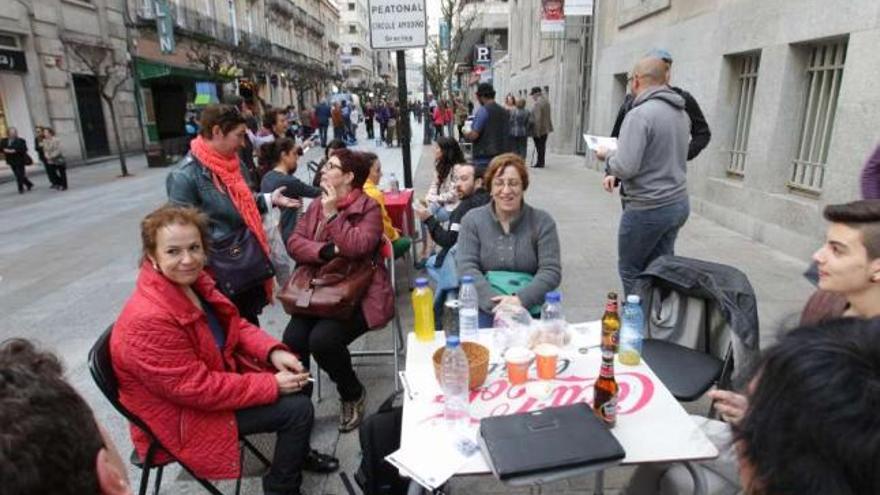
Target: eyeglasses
pixel 512 183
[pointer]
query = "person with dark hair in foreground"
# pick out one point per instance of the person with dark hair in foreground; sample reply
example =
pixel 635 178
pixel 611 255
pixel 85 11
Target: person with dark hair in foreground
pixel 51 441
pixel 812 426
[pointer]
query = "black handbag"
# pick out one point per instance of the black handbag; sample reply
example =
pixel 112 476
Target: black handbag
pixel 238 262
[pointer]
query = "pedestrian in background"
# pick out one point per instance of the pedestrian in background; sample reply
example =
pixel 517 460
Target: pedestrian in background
pixel 382 115
pixel 461 115
pixel 393 115
pixel 542 124
pixel 55 159
pixel 490 132
pixel 369 117
pixel 510 102
pixel 354 118
pixel 15 151
pixel 520 127
pixel 338 121
pixel 439 119
pixel 38 147
pixel 323 113
pixel 305 121
pixel 651 160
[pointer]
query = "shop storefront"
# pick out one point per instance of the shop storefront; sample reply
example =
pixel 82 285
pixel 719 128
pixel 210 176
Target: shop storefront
pixel 14 111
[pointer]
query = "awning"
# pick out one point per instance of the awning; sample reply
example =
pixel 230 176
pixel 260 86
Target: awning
pixel 148 70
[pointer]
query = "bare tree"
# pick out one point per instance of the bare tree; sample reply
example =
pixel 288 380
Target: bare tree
pixel 441 66
pixel 111 75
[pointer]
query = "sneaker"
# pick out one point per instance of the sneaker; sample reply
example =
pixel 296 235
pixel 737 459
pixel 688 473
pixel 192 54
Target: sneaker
pixel 352 413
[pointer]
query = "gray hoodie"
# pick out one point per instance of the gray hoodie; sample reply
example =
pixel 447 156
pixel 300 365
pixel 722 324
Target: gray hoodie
pixel 651 156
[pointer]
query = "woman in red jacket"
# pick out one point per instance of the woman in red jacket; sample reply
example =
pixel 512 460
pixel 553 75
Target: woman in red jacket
pixel 348 223
pixel 197 373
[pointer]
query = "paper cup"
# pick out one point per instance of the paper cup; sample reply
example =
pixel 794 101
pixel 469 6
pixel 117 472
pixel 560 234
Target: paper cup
pixel 518 360
pixel 547 356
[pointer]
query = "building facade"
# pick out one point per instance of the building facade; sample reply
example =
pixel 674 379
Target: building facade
pixel 44 82
pixel 789 91
pixel 480 22
pixel 356 56
pixel 559 65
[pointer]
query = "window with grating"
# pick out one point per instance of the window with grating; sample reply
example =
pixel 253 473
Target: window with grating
pixel 747 80
pixel 824 73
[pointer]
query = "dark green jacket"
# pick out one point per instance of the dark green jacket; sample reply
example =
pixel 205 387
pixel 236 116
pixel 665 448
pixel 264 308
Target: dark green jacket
pixel 190 184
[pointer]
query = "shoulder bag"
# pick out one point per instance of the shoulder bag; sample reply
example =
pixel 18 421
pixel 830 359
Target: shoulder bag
pixel 238 262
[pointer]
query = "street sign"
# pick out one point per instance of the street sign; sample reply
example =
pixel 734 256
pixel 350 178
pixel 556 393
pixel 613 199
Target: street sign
pixel 482 55
pixel 398 24
pixel 444 35
pixel 164 26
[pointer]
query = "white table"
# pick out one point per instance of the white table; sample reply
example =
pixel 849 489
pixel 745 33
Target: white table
pixel 651 425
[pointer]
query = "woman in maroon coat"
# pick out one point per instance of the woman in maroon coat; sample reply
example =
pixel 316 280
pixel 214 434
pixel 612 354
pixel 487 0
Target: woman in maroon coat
pixel 345 222
pixel 197 373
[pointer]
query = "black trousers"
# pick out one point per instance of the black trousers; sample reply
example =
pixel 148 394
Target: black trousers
pixel 291 417
pixel 438 131
pixel 21 177
pixel 251 303
pixel 328 341
pixel 322 131
pixel 382 129
pixel 60 175
pixel 51 173
pixel 540 147
pixel 370 130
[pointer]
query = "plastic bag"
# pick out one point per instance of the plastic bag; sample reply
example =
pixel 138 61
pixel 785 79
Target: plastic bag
pixel 512 327
pixel 277 250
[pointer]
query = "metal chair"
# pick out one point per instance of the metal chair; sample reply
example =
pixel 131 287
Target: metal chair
pixel 396 328
pixel 101 368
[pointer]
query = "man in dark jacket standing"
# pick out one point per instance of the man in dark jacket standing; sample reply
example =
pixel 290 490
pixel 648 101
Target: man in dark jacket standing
pixel 699 128
pixel 322 112
pixel 14 150
pixel 542 124
pixel 490 132
pixel 651 160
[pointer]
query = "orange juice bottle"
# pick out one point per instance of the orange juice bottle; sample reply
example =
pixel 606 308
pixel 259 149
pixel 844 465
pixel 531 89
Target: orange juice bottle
pixel 423 309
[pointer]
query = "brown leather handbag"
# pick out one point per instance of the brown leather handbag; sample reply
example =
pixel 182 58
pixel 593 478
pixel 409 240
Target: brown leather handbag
pixel 332 290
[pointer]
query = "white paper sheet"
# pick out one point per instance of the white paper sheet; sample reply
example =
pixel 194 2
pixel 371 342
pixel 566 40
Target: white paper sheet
pixel 431 467
pixel 593 142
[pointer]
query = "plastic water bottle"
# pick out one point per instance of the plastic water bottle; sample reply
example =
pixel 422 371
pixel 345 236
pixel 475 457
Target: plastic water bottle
pixel 393 183
pixel 468 311
pixel 423 309
pixel 552 319
pixel 632 332
pixel 454 370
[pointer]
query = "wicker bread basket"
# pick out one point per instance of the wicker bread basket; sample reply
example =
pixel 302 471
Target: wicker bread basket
pixel 478 363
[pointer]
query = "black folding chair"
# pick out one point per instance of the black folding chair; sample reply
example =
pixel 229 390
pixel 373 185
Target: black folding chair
pixel 101 367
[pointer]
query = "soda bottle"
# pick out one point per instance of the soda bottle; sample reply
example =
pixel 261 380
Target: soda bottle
pixel 454 372
pixel 605 390
pixel 423 309
pixel 468 311
pixel 611 324
pixel 632 332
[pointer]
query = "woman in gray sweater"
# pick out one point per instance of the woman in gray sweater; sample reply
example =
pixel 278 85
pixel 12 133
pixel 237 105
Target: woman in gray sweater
pixel 509 235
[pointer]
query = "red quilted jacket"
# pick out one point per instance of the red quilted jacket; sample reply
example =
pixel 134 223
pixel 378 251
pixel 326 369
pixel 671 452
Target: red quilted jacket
pixel 357 232
pixel 173 376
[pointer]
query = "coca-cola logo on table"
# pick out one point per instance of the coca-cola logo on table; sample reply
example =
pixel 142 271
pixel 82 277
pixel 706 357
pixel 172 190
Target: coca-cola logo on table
pixel 497 397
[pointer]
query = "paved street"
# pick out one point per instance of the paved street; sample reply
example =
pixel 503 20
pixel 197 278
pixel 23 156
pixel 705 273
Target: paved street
pixel 68 262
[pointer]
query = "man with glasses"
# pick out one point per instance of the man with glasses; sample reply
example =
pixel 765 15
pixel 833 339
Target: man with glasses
pixel 651 160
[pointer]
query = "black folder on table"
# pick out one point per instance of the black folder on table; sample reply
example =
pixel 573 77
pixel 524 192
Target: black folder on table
pixel 549 440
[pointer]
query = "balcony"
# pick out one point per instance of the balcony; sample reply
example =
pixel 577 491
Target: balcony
pixel 284 8
pixel 355 62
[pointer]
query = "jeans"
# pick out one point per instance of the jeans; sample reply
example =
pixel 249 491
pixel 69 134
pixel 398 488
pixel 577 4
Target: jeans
pixel 328 340
pixel 339 133
pixel 291 417
pixel 485 320
pixel 541 148
pixel 521 146
pixel 645 235
pixel 322 131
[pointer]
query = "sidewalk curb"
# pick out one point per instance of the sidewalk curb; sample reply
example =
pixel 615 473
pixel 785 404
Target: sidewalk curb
pixel 38 168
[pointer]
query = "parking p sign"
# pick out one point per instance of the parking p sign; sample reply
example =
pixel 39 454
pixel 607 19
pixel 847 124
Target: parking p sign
pixel 397 24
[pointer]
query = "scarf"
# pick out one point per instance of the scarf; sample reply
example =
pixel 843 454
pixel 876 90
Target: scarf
pixel 228 170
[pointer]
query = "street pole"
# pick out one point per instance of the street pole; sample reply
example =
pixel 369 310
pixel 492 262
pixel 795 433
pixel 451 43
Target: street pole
pixel 403 124
pixel 425 118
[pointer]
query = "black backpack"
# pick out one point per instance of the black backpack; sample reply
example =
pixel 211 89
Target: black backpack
pixel 380 436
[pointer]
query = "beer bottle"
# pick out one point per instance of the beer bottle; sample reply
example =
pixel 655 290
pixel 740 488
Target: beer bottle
pixel 611 324
pixel 605 391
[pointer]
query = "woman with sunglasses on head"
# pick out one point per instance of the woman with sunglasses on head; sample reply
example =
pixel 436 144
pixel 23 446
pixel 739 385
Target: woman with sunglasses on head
pixel 508 235
pixel 211 177
pixel 283 156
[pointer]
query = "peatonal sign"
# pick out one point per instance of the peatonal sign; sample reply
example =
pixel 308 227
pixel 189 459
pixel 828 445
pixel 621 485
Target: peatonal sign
pixel 397 24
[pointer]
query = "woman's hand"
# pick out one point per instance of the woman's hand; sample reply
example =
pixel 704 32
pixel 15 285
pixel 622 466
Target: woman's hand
pixel 329 199
pixel 289 383
pixel 421 211
pixel 285 361
pixel 280 200
pixel 731 405
pixel 505 300
pixel 608 183
pixel 601 153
